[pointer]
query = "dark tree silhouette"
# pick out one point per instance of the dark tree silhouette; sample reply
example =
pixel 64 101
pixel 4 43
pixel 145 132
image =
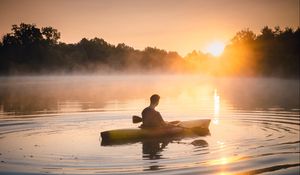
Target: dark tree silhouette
pixel 273 52
pixel 29 49
pixel 51 35
pixel 244 36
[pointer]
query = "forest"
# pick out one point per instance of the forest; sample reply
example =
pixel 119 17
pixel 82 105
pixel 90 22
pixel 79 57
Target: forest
pixel 274 52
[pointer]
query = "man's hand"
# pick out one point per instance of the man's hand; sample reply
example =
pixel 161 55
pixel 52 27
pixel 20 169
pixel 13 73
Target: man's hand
pixel 174 123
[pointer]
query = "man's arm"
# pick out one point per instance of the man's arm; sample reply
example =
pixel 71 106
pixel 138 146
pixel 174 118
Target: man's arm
pixel 165 123
pixel 161 120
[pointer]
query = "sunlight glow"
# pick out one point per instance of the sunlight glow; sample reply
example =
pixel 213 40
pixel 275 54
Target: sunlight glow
pixel 215 48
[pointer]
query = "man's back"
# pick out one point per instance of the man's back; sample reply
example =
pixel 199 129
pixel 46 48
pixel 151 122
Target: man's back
pixel 152 118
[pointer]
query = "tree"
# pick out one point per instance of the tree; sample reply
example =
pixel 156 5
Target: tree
pixel 26 34
pixel 51 35
pixel 267 34
pixel 243 36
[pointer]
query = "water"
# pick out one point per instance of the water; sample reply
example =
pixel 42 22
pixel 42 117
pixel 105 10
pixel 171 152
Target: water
pixel 52 125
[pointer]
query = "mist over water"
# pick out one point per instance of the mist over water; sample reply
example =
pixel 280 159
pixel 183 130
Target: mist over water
pixel 52 124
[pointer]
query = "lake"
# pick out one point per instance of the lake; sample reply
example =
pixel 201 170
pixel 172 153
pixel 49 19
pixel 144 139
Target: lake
pixel 52 125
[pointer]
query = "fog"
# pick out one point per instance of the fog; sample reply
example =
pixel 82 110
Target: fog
pixel 53 94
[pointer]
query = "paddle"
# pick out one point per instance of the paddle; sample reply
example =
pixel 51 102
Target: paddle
pixel 137 119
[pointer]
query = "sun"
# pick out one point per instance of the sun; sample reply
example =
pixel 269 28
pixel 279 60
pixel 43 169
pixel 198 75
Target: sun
pixel 215 48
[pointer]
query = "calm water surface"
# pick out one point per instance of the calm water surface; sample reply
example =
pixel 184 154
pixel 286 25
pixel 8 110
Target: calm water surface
pixel 52 125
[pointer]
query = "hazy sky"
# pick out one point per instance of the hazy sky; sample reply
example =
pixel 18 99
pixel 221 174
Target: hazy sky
pixel 174 25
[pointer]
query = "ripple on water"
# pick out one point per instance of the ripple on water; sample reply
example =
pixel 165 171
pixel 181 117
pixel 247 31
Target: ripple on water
pixel 243 141
pixel 275 149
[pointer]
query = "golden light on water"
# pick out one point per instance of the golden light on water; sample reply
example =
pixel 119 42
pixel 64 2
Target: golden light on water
pixel 215 48
pixel 216 107
pixel 224 173
pixel 225 160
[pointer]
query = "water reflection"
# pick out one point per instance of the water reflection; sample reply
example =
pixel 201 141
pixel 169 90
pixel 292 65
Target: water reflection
pixel 152 149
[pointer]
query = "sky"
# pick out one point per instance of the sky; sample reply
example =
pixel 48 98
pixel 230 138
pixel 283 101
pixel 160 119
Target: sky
pixel 173 25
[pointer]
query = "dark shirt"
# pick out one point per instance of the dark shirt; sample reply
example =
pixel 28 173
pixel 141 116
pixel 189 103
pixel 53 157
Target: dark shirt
pixel 152 118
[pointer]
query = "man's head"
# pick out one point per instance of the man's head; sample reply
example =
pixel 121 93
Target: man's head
pixel 154 99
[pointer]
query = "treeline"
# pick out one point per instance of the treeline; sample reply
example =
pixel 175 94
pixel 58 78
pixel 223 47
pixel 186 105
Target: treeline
pixel 273 52
pixel 29 49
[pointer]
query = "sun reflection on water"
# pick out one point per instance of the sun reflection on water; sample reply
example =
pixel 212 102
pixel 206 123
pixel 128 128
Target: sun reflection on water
pixel 225 160
pixel 216 108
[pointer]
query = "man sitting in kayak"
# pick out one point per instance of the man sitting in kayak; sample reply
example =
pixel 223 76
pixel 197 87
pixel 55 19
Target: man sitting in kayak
pixel 152 118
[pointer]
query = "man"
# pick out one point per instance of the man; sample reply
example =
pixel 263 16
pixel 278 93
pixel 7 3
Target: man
pixel 150 117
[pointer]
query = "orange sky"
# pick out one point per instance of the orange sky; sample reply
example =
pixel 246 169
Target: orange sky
pixel 174 25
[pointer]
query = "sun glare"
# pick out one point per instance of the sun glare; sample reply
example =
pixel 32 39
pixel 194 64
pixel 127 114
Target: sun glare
pixel 215 48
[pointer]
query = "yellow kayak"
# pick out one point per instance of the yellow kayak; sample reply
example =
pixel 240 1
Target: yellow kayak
pixel 182 129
